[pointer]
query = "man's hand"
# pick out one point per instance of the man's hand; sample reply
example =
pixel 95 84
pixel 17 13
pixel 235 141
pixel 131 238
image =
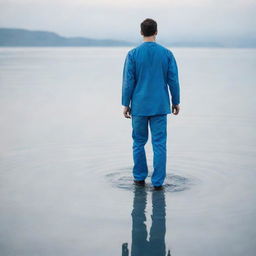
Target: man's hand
pixel 127 112
pixel 175 109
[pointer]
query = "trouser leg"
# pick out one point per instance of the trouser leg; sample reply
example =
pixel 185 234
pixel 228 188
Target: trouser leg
pixel 140 137
pixel 158 127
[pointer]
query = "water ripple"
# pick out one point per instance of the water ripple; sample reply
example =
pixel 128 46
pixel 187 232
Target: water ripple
pixel 122 178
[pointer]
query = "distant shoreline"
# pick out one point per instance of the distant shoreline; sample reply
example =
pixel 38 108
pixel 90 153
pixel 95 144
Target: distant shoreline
pixel 125 46
pixel 16 37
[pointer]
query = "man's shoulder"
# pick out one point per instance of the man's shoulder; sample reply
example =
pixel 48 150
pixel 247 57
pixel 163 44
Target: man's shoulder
pixel 166 49
pixel 131 51
pixel 134 49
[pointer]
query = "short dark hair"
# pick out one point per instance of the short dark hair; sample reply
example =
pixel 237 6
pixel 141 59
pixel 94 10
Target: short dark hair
pixel 148 27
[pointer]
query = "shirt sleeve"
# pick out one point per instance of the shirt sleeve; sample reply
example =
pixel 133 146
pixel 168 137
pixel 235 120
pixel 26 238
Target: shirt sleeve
pixel 128 82
pixel 173 79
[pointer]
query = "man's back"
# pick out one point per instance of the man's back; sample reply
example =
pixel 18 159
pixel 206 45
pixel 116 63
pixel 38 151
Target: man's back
pixel 148 70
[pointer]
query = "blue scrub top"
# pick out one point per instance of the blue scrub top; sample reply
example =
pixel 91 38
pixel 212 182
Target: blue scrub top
pixel 149 70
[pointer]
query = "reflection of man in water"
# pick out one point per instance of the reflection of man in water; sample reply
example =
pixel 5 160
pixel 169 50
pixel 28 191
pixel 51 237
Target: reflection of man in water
pixel 149 70
pixel 155 246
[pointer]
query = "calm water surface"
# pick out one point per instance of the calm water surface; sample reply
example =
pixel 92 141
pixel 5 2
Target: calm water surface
pixel 66 157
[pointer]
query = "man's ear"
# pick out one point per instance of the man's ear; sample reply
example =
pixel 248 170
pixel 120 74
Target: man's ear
pixel 156 33
pixel 141 33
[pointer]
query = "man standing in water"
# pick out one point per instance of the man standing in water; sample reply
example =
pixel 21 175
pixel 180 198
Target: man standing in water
pixel 149 70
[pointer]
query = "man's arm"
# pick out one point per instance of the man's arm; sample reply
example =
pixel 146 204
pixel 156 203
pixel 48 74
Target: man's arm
pixel 128 83
pixel 173 83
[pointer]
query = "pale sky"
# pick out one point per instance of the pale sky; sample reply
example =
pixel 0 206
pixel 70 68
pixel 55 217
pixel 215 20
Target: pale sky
pixel 120 19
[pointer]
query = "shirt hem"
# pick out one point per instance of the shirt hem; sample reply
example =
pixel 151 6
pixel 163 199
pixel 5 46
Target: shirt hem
pixel 153 114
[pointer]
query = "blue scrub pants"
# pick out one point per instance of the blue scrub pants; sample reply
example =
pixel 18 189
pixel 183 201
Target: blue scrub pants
pixel 158 128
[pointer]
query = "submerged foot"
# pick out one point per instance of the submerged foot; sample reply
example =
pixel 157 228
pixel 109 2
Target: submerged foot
pixel 139 182
pixel 158 187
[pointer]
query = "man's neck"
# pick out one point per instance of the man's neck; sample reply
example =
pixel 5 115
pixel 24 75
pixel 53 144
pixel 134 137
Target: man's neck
pixel 149 38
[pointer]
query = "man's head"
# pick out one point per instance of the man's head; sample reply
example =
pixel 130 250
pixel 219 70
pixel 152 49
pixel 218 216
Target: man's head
pixel 148 27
